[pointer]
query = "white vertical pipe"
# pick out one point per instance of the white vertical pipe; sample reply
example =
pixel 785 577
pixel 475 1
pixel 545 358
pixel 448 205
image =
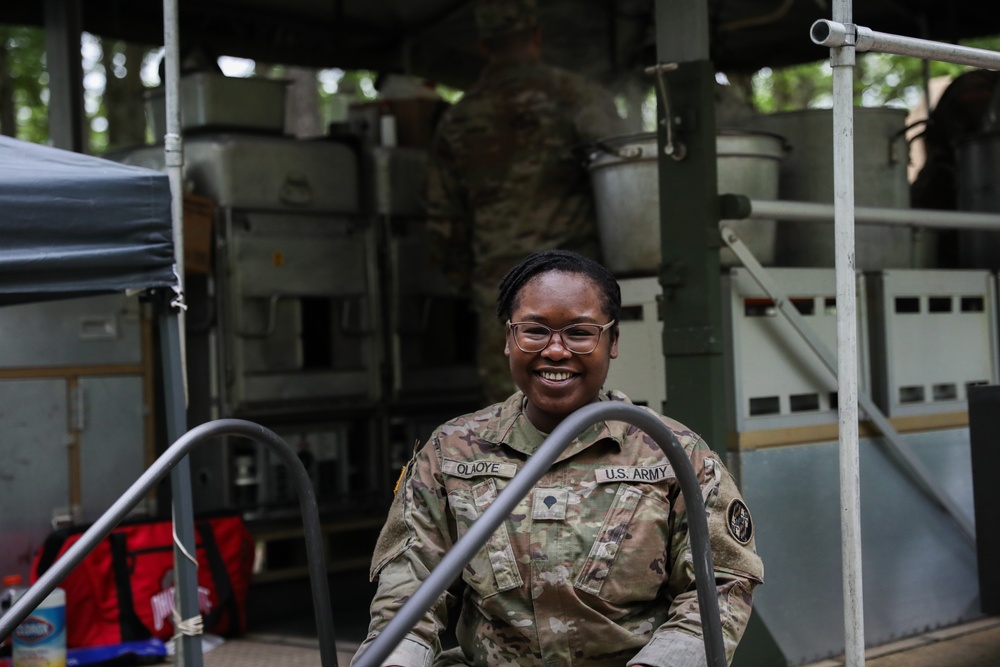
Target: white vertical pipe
pixel 842 60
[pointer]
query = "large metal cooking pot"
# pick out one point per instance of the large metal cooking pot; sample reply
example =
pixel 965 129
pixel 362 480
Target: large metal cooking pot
pixel 880 160
pixel 978 189
pixel 624 174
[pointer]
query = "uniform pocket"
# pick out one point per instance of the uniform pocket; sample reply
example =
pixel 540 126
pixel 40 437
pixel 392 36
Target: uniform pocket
pixel 493 569
pixel 627 560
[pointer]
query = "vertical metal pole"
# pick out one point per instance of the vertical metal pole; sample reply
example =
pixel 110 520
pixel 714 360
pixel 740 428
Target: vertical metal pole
pixel 188 646
pixel 842 60
pixel 65 67
pixel 187 649
pixel 693 340
pixel 172 141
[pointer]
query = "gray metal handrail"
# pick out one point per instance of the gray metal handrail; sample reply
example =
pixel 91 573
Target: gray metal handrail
pixel 537 465
pixel 156 472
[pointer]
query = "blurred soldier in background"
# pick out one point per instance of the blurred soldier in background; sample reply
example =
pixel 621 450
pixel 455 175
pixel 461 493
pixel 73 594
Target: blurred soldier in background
pixel 967 106
pixel 503 179
pixel 970 105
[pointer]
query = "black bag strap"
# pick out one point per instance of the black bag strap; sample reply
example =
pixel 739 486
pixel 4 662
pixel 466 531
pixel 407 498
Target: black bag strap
pixel 220 576
pixel 132 627
pixel 53 543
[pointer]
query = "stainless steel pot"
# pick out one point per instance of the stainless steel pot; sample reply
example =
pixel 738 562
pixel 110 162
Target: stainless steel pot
pixel 880 159
pixel 624 174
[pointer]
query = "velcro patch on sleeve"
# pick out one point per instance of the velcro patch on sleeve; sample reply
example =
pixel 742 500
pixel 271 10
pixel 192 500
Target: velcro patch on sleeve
pixel 739 522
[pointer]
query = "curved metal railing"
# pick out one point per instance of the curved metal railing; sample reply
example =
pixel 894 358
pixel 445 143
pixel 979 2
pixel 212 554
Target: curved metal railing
pixel 153 475
pixel 537 464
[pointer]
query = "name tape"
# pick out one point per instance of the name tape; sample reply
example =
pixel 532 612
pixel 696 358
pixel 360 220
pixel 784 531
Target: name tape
pixel 480 468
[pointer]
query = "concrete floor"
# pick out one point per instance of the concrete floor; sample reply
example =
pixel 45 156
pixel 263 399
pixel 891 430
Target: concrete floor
pixel 974 644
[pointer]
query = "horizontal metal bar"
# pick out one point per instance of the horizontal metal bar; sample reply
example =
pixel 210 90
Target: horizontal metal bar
pixel 537 465
pixel 903 217
pixel 833 34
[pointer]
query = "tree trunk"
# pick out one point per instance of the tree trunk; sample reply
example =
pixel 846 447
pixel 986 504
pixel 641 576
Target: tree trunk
pixel 302 108
pixel 8 121
pixel 123 100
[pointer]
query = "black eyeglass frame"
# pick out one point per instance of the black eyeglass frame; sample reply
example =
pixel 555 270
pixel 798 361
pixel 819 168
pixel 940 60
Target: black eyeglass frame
pixel 548 341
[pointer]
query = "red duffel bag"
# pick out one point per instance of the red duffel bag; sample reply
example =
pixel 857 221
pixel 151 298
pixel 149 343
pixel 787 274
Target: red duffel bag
pixel 123 590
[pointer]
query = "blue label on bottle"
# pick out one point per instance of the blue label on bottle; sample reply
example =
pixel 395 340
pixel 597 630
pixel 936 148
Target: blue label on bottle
pixel 40 639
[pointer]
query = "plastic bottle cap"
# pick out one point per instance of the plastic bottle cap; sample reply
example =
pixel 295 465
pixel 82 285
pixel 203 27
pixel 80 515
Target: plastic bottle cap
pixel 12 579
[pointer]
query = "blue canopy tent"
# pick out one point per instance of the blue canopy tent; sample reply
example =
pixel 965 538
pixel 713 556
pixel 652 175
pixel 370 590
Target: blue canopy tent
pixel 75 225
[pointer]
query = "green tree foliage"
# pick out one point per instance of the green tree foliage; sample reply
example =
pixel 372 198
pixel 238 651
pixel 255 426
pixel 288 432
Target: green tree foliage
pixel 338 89
pixel 119 119
pixel 23 84
pixel 879 80
pixel 111 79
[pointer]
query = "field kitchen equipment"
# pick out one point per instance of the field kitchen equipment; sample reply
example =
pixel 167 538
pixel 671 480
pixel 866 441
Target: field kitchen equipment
pixel 881 157
pixel 287 328
pixel 207 101
pixel 319 314
pixel 624 175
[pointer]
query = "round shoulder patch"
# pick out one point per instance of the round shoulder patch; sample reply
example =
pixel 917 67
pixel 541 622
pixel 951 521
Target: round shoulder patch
pixel 739 522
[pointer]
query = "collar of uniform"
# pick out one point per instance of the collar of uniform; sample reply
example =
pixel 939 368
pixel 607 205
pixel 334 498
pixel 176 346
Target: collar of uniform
pixel 510 426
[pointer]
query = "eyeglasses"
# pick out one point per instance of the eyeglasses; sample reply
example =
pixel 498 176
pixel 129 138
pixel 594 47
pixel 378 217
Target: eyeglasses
pixel 577 338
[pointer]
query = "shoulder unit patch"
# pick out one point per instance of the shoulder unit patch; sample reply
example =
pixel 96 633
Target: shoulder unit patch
pixel 739 522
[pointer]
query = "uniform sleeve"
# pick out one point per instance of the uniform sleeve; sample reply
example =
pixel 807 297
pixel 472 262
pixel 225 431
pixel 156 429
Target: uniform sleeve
pixel 415 537
pixel 449 217
pixel 738 570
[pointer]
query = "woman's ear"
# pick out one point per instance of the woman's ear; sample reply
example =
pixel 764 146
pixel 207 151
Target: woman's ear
pixel 613 353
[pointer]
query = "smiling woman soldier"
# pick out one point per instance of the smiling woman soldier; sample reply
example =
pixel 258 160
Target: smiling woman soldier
pixel 594 566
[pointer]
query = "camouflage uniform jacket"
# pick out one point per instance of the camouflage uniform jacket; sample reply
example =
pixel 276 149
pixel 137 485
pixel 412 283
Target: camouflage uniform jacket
pixel 593 567
pixel 503 180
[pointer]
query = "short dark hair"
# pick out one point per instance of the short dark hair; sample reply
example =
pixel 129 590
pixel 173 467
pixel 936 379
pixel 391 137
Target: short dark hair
pixel 566 261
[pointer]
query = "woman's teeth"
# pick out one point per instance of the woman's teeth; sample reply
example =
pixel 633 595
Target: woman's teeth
pixel 556 377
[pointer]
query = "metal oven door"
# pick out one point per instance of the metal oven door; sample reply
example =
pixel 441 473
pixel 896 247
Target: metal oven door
pixel 299 323
pixel 433 330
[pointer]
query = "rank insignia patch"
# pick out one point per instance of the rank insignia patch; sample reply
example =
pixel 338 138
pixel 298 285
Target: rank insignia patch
pixel 739 522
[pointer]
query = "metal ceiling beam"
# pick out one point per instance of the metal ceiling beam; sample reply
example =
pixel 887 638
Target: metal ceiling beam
pixel 745 34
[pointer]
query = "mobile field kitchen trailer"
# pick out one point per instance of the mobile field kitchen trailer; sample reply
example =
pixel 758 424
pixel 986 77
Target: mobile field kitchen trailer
pixel 724 349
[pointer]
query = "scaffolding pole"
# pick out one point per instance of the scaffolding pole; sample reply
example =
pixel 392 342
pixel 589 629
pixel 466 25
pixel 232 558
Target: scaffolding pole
pixel 842 59
pixel 845 39
pixel 840 34
pixel 800 211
